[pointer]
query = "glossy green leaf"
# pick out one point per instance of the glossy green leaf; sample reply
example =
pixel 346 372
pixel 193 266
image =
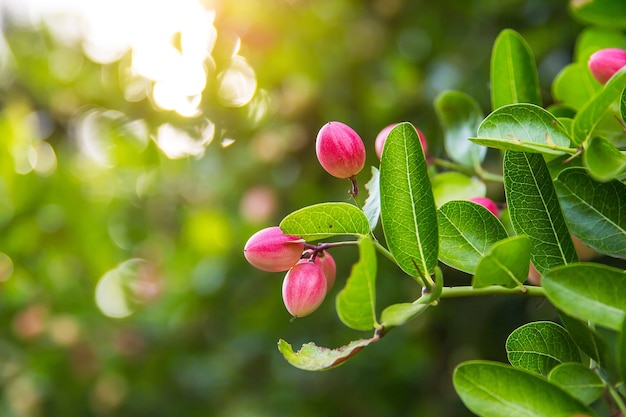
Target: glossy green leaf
pixel 609 13
pixel 506 264
pixel 491 389
pixel 466 232
pixel 595 212
pixel 524 127
pixel 398 314
pixel 603 160
pixel 577 379
pixel 535 211
pixel 514 77
pixel 407 206
pixel 321 221
pixel 460 115
pixel 356 302
pixel 588 291
pixel 371 208
pixel 587 340
pixel 449 186
pixel 311 357
pixel 574 85
pixel 592 113
pixel 540 346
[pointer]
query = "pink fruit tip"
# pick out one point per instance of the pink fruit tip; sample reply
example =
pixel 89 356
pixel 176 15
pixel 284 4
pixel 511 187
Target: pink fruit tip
pixel 606 62
pixel 271 250
pixel 488 204
pixel 340 150
pixel 304 288
pixel 381 138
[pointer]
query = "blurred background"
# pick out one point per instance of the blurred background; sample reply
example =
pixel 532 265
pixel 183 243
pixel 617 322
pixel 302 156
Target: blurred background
pixel 143 142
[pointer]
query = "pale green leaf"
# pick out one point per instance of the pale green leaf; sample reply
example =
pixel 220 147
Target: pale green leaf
pixel 398 314
pixel 607 13
pixel 325 220
pixel 578 380
pixel 449 186
pixel 311 357
pixel 371 208
pixel 574 85
pixel 603 160
pixel 506 264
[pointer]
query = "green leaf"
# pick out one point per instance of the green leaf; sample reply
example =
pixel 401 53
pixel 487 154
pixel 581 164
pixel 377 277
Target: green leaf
pixel 398 314
pixel 466 232
pixel 535 211
pixel 578 380
pixel 586 339
pixel 491 389
pixel 449 186
pixel 592 113
pixel 514 77
pixel 592 39
pixel 407 206
pixel 588 291
pixel 574 85
pixel 608 13
pixel 506 264
pixel 371 208
pixel 621 351
pixel 523 127
pixel 603 160
pixel 460 115
pixel 540 346
pixel 356 303
pixel 622 105
pixel 595 212
pixel 325 220
pixel 311 357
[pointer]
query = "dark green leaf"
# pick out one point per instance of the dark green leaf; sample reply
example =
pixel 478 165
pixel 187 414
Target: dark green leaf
pixel 460 115
pixel 514 77
pixel 622 105
pixel 371 208
pixel 449 186
pixel 578 380
pixel 608 13
pixel 466 232
pixel 524 127
pixel 574 85
pixel 356 303
pixel 586 339
pixel 408 212
pixel 535 211
pixel 588 291
pixel 603 160
pixel 592 113
pixel 311 357
pixel 491 389
pixel 595 212
pixel 540 346
pixel 506 264
pixel 322 221
pixel 621 351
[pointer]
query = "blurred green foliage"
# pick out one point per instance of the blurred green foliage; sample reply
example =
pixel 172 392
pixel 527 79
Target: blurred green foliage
pixel 86 194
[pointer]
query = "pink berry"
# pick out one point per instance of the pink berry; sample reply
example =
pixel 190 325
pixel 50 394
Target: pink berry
pixel 271 250
pixel 340 150
pixel 329 268
pixel 304 288
pixel 488 204
pixel 606 62
pixel 382 137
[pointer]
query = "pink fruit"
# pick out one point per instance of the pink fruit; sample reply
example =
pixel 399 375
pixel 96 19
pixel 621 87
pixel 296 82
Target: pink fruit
pixel 382 137
pixel 271 250
pixel 488 204
pixel 606 62
pixel 329 268
pixel 340 150
pixel 304 288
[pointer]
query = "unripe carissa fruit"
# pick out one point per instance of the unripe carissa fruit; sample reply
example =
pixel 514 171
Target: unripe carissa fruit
pixel 271 250
pixel 606 62
pixel 488 204
pixel 381 138
pixel 340 150
pixel 304 288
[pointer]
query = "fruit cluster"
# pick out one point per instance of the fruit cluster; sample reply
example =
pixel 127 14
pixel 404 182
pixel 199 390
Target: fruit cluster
pixel 311 270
